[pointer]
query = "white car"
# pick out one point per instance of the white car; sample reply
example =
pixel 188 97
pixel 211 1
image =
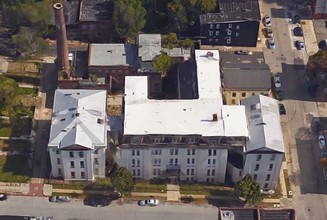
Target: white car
pixel 267 21
pixel 322 141
pixel 148 202
pixel 271 43
pixel 277 81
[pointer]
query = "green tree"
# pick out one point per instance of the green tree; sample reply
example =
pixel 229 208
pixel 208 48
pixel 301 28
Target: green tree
pixel 207 5
pixel 163 64
pixel 187 43
pixel 249 189
pixel 128 17
pixel 123 181
pixel 170 40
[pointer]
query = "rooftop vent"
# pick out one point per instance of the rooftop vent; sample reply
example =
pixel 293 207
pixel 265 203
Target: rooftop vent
pixel 100 121
pixel 214 117
pixel 209 54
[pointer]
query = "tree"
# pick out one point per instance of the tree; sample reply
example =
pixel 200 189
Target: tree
pixel 249 189
pixel 163 64
pixel 187 43
pixel 123 180
pixel 170 40
pixel 128 17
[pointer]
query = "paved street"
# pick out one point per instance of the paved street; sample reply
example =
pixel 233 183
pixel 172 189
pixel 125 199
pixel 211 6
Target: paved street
pixel 76 210
pixel 302 151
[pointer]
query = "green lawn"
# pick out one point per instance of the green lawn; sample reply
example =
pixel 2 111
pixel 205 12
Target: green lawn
pixel 20 127
pixel 205 189
pixel 14 169
pixel 146 186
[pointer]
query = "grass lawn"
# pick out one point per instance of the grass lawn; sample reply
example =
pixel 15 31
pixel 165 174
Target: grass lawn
pixel 15 145
pixel 14 169
pixel 205 189
pixel 22 126
pixel 146 186
pixel 27 91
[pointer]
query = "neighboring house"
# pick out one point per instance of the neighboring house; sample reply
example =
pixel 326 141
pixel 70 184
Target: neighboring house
pixel 244 76
pixel 319 9
pixel 181 139
pixel 236 24
pixel 255 214
pixel 264 150
pixel 149 47
pixel 110 63
pixel 78 135
pixel 89 20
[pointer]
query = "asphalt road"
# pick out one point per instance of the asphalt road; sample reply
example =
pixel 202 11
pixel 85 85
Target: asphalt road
pixel 37 206
pixel 302 151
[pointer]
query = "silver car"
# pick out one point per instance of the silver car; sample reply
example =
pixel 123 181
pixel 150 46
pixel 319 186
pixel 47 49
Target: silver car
pixel 267 21
pixel 148 202
pixel 271 43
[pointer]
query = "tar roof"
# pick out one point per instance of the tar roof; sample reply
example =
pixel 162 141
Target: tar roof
pixel 234 10
pixel 149 46
pixel 96 10
pixel 184 116
pixel 112 55
pixel 264 124
pixel 78 118
pixel 70 12
pixel 256 214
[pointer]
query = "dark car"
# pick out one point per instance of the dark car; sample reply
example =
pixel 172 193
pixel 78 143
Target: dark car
pixel 298 31
pixel 97 201
pixel 299 45
pixel 59 199
pixel 296 19
pixel 282 110
pixel 243 52
pixel 279 95
pixel 3 197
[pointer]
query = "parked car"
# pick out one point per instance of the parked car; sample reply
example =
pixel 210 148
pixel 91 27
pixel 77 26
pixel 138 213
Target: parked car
pixel 298 31
pixel 267 21
pixel 148 202
pixel 97 201
pixel 243 52
pixel 59 199
pixel 3 196
pixel 322 141
pixel 269 32
pixel 299 45
pixel 296 19
pixel 317 126
pixel 271 43
pixel 277 81
pixel 282 110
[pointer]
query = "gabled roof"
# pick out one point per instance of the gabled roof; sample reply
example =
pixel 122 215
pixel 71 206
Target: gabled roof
pixel 183 117
pixel 149 46
pixel 78 118
pixel 112 55
pixel 265 133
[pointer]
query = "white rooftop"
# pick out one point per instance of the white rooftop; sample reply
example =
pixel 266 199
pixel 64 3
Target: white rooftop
pixel 264 124
pixel 148 116
pixel 112 55
pixel 149 46
pixel 79 118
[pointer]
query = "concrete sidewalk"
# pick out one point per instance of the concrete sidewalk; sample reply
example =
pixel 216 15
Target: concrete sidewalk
pixel 309 37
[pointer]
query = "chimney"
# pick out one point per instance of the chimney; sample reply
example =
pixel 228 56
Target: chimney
pixel 214 117
pixel 62 46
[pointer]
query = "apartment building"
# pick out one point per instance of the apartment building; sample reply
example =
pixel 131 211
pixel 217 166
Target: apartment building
pixel 184 139
pixel 78 135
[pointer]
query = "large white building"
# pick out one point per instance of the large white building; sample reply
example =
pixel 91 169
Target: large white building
pixel 185 139
pixel 78 136
pixel 201 139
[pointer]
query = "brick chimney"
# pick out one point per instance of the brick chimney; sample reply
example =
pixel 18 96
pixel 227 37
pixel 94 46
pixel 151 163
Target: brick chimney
pixel 62 46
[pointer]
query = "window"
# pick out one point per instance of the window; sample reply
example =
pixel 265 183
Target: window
pixel 154 171
pixel 135 140
pixel 81 154
pixel 217 26
pixel 96 162
pixel 156 151
pixel 134 173
pixel 171 161
pixel 270 167
pixel 73 175
pixel 210 33
pixel 259 156
pixel 59 171
pixel 57 152
pixel 268 177
pixel 229 32
pixel 253 93
pixel 217 33
pixel 138 163
pixel 133 152
pixel 176 140
pixel 133 162
pixel 229 40
pixel 72 164
pixel 156 162
pixel 233 102
pixel 256 167
pixel 188 160
pixel 211 26
pixel 188 151
pixel 208 179
pixel 208 172
pixel 265 186
pixel 83 175
pixel 214 152
pixel 192 140
pixel 213 172
pixel 58 161
pixel 137 153
pixel 81 163
pixel 255 177
pixel 193 161
pixel 71 154
pixel 233 94
pixel 209 161
pixel 243 94
pixel 158 140
pixel 238 27
pixel 237 34
pixel 176 161
pixel 188 172
pixel 193 151
pixel 192 171
pixel 210 40
pixel 230 25
pixel 173 151
pixel 158 171
pixel 273 157
pixel 209 153
pixel 138 172
pixel 213 161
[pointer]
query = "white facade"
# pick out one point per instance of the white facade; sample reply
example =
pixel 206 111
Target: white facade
pixel 78 136
pixel 202 165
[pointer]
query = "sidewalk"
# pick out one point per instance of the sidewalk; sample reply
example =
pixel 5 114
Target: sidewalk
pixel 309 37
